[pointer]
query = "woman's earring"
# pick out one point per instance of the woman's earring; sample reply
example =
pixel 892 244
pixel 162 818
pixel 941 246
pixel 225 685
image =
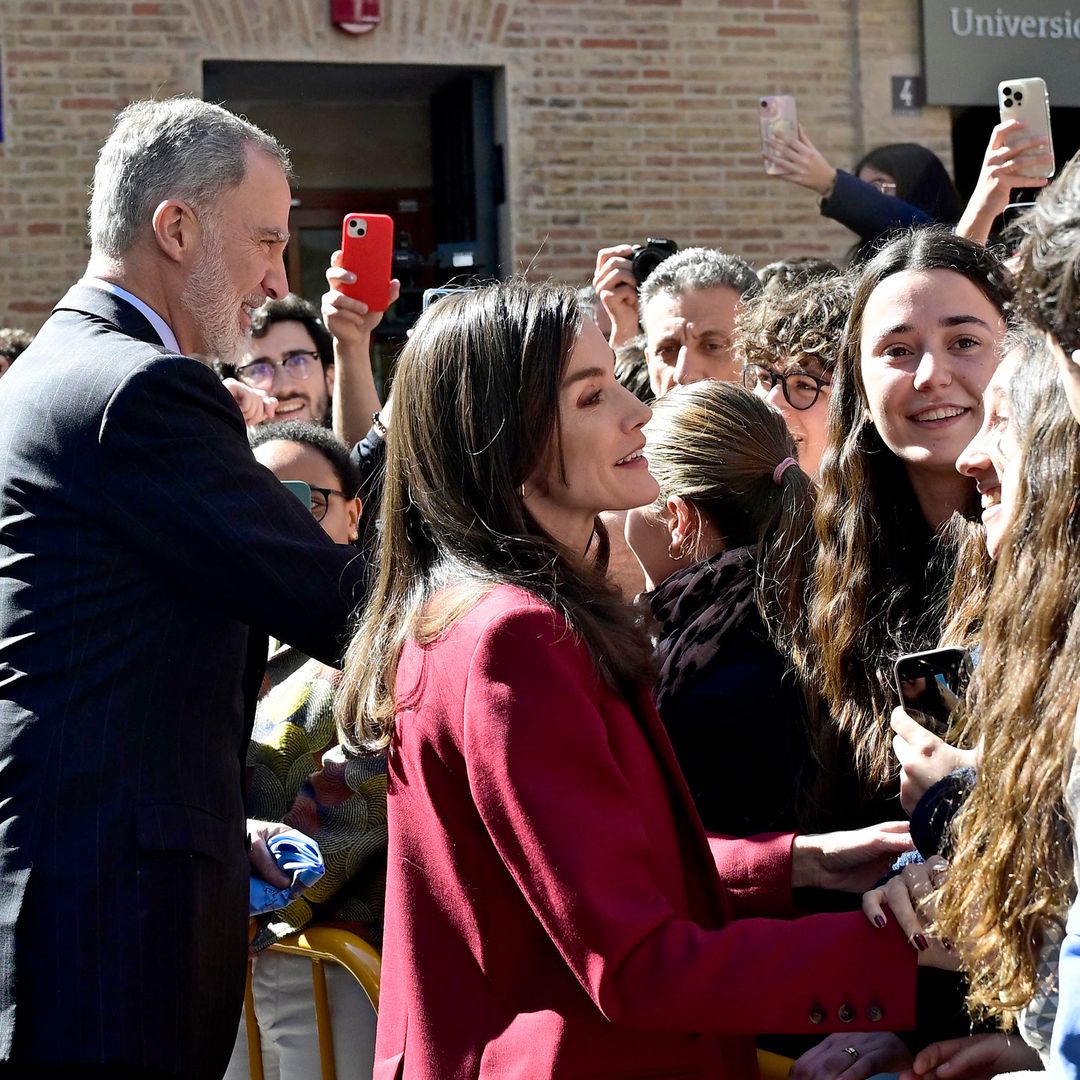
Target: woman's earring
pixel 671 551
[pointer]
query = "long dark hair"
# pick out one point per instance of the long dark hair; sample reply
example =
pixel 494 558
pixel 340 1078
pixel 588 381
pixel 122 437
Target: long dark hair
pixel 881 580
pixel 476 397
pixel 921 179
pixel 1012 872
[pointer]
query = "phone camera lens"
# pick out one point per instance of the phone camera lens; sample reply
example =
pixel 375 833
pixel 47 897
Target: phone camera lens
pixel 1008 103
pixel 1006 90
pixel 1018 96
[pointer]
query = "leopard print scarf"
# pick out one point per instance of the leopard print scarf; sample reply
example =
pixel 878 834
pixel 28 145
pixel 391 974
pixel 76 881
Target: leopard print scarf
pixel 695 609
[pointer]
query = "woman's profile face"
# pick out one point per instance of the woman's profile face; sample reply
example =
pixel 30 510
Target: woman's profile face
pixel 928 347
pixel 992 459
pixel 602 465
pixel 298 461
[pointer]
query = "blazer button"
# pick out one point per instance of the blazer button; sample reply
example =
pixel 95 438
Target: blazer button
pixel 846 1014
pixel 875 1013
pixel 817 1014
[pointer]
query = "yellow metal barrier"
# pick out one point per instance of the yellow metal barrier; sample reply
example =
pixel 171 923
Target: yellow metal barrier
pixel 318 944
pixel 773 1066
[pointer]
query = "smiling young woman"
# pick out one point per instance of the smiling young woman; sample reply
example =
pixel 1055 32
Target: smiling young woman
pixel 921 344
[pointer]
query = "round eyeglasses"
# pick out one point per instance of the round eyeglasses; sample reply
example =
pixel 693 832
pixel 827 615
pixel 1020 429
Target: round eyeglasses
pixel 260 372
pixel 320 500
pixel 800 389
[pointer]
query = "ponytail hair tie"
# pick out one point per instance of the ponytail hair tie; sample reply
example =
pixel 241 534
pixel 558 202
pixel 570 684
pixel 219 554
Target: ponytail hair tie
pixel 778 472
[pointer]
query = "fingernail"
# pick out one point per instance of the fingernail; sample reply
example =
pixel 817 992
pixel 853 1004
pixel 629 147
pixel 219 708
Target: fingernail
pixel 921 943
pixel 879 920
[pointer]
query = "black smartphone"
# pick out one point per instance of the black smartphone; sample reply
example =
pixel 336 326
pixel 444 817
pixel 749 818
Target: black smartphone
pixel 933 682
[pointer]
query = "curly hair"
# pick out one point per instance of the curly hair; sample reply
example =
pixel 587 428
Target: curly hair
pixel 1013 860
pixel 1048 260
pixel 880 582
pixel 791 327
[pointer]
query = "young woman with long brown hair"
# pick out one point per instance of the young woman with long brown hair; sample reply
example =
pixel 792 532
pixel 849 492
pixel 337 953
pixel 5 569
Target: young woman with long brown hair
pixel 921 344
pixel 553 907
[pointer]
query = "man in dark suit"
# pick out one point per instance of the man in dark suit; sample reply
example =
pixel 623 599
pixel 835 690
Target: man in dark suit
pixel 139 542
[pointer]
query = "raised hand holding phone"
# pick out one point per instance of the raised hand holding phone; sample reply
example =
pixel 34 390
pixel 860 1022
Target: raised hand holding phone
pixel 367 251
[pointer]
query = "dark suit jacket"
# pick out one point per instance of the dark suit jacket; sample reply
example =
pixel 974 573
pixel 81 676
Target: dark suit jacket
pixel 553 908
pixel 139 540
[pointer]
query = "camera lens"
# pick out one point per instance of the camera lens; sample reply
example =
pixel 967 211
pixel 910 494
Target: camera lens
pixel 1019 96
pixel 1006 90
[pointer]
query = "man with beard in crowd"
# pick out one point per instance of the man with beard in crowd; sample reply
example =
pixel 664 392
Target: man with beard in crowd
pixel 140 543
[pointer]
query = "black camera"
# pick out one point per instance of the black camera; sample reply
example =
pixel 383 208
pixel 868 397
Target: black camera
pixel 648 256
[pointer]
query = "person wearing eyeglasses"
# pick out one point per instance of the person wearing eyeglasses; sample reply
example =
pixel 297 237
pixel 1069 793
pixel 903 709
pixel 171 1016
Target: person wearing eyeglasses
pixel 298 773
pixel 891 187
pixel 787 342
pixel 291 360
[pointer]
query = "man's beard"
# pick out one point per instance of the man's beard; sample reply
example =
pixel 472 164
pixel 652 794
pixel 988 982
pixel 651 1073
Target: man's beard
pixel 209 299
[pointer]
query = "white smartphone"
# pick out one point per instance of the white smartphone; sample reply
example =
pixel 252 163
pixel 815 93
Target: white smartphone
pixel 1027 100
pixel 777 116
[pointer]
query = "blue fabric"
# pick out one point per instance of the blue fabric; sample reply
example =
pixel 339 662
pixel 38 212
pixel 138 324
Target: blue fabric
pixel 1065 1043
pixel 296 854
pixel 866 211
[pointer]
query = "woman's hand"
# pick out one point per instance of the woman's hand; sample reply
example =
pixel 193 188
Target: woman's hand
pixel 852 1056
pixel 1005 167
pixel 978 1057
pixel 849 861
pixel 800 162
pixel 910 897
pixel 924 758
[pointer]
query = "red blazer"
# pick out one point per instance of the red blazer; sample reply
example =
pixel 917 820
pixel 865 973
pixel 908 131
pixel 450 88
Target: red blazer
pixel 553 909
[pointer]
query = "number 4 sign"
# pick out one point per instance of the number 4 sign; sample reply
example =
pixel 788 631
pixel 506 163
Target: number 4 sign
pixel 908 93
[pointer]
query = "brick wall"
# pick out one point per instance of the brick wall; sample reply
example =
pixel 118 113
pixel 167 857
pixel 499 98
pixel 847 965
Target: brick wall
pixel 623 116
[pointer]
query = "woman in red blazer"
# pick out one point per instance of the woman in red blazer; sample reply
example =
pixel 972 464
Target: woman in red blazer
pixel 553 906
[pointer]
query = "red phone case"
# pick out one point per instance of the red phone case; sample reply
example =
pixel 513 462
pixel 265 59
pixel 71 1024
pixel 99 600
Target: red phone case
pixel 367 247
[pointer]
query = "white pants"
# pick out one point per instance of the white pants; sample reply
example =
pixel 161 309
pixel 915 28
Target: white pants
pixel 285 1009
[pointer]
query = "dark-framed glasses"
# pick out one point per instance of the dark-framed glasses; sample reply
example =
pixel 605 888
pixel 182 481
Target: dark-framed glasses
pixel 886 187
pixel 320 500
pixel 800 389
pixel 259 372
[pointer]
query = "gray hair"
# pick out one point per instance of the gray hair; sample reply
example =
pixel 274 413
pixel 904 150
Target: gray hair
pixel 182 148
pixel 700 268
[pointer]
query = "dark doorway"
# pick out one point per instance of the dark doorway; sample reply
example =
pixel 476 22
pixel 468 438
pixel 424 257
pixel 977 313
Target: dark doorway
pixel 416 142
pixel 971 128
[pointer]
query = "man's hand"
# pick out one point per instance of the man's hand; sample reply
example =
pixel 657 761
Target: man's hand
pixel 347 319
pixel 978 1057
pixel 924 758
pixel 262 862
pixel 257 405
pixel 849 861
pixel 616 286
pixel 832 1059
pixel 800 162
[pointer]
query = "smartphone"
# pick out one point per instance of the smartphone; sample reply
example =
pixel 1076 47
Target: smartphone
pixel 431 296
pixel 1027 100
pixel 933 682
pixel 301 490
pixel 367 248
pixel 776 116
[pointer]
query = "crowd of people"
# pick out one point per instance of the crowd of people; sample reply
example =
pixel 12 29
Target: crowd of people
pixel 575 655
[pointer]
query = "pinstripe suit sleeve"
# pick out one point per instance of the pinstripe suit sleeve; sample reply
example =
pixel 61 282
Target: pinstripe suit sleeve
pixel 186 491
